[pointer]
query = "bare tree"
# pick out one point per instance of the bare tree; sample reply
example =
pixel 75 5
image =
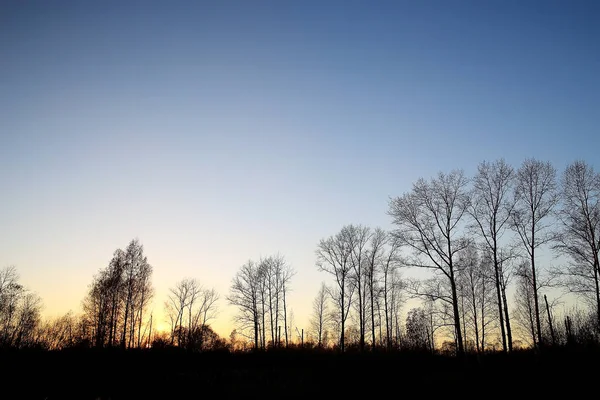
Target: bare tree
pixel 10 295
pixel 358 239
pixel 334 257
pixel 474 281
pixel 19 311
pixel 189 307
pixel 137 290
pixel 278 271
pixel 506 258
pixel 245 294
pixel 320 315
pixel 114 286
pixel 143 294
pixel 524 301
pixel 175 305
pixel 206 310
pixel 396 301
pixel 536 196
pixel 374 255
pixel 428 220
pixel 579 238
pixel 118 297
pixel 389 262
pixel 103 304
pixel 490 209
pixel 287 273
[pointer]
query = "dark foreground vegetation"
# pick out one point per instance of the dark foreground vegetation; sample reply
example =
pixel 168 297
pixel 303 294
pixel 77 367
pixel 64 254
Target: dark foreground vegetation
pixel 294 373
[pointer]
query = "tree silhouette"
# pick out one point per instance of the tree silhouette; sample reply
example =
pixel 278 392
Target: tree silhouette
pixel 491 207
pixel 19 311
pixel 117 297
pixel 334 256
pixel 428 221
pixel 245 295
pixel 579 237
pixel 536 196
pixel 320 315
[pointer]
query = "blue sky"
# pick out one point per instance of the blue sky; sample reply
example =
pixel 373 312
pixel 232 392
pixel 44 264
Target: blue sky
pixel 221 131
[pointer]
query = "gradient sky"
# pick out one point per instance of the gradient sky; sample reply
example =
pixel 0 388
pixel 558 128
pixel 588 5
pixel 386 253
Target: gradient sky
pixel 220 131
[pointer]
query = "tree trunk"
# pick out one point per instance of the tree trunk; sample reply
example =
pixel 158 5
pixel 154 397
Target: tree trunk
pixel 343 310
pixel 597 283
pixel 140 321
pixel 150 333
pixel 475 320
pixel 457 327
pixel 271 314
pixel 264 328
pixel 285 327
pixel 361 318
pixel 388 331
pixel 125 320
pixel 256 323
pixel 550 321
pixel 507 319
pixel 464 320
pixel 499 296
pixel 372 314
pixel 535 288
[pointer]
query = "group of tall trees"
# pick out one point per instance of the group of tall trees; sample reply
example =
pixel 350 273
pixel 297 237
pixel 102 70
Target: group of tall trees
pixel 475 234
pixel 486 240
pixel 480 237
pixel 259 291
pixel 19 310
pixel 115 311
pixel 118 297
pixel 363 263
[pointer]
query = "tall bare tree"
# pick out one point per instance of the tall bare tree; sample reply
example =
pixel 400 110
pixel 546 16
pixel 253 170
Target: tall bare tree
pixel 117 298
pixel 475 280
pixel 389 262
pixel 375 252
pixel 579 237
pixel 245 295
pixel 175 306
pixel 536 196
pixel 429 221
pixel 320 315
pixel 279 276
pixel 491 207
pixel 358 239
pixel 114 286
pixel 144 293
pixel 205 311
pixel 334 257
pixel 104 304
pixel 287 273
pixel 525 303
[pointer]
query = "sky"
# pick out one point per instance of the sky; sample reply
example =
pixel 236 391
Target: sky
pixel 221 131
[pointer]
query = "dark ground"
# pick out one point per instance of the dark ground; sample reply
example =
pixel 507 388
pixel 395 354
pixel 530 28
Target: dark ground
pixel 171 374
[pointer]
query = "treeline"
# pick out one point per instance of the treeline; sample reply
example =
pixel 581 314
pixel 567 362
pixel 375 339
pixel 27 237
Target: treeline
pixel 481 239
pixel 485 242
